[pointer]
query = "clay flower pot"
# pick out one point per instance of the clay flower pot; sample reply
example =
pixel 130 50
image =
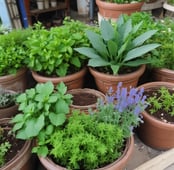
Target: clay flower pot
pixel 163 74
pixel 114 10
pixel 22 159
pixel 86 98
pixel 72 81
pixel 105 81
pixel 119 164
pixel 154 132
pixel 16 82
pixel 10 111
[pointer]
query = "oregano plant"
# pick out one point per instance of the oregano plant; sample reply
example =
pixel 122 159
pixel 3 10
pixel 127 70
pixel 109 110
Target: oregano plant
pixel 42 110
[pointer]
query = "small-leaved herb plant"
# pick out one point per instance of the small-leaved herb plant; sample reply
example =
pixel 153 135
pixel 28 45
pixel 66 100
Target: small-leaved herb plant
pixel 83 143
pixel 12 51
pixel 42 110
pixel 162 99
pixel 4 147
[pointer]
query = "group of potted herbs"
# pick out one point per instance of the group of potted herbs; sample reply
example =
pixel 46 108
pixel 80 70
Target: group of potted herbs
pixel 46 121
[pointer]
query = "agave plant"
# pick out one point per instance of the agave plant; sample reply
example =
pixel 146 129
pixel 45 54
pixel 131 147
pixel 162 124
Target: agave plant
pixel 117 45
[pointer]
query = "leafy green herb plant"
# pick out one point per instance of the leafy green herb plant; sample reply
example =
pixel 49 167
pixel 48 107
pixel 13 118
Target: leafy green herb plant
pixel 43 109
pixel 116 46
pixel 13 51
pixel 162 99
pixel 51 51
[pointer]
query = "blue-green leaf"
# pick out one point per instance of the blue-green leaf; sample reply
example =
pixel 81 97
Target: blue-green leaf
pixel 139 51
pixel 107 30
pixel 143 37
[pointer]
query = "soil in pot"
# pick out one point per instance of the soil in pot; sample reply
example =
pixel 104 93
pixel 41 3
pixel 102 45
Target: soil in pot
pixel 160 114
pixel 16 144
pixel 85 99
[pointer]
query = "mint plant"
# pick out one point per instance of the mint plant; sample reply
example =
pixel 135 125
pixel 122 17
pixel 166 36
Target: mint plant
pixel 51 51
pixel 162 99
pixel 43 109
pixel 122 108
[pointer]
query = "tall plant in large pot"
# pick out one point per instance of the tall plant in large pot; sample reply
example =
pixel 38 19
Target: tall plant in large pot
pixel 13 72
pixel 101 139
pixel 112 9
pixel 117 53
pixel 51 54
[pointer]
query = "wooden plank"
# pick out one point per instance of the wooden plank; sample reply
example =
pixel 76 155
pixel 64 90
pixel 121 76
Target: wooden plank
pixel 150 6
pixel 159 162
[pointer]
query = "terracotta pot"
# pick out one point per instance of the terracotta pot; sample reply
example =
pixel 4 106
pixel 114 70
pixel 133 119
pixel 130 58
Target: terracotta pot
pixel 16 82
pixel 114 10
pixel 119 164
pixel 105 81
pixel 9 111
pixel 153 132
pixel 72 81
pixel 22 160
pixel 163 74
pixel 84 94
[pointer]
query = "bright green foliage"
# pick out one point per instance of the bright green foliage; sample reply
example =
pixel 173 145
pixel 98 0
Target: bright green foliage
pixel 51 51
pixel 12 51
pixel 123 1
pixel 162 99
pixel 164 55
pixel 86 144
pixel 4 147
pixel 117 45
pixel 43 109
pixel 171 2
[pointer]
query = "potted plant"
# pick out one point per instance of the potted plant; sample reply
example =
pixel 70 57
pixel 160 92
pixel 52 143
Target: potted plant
pixel 42 109
pixel 8 107
pixel 13 74
pixel 162 67
pixel 51 54
pixel 92 140
pixel 15 153
pixel 158 127
pixel 112 9
pixel 117 53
